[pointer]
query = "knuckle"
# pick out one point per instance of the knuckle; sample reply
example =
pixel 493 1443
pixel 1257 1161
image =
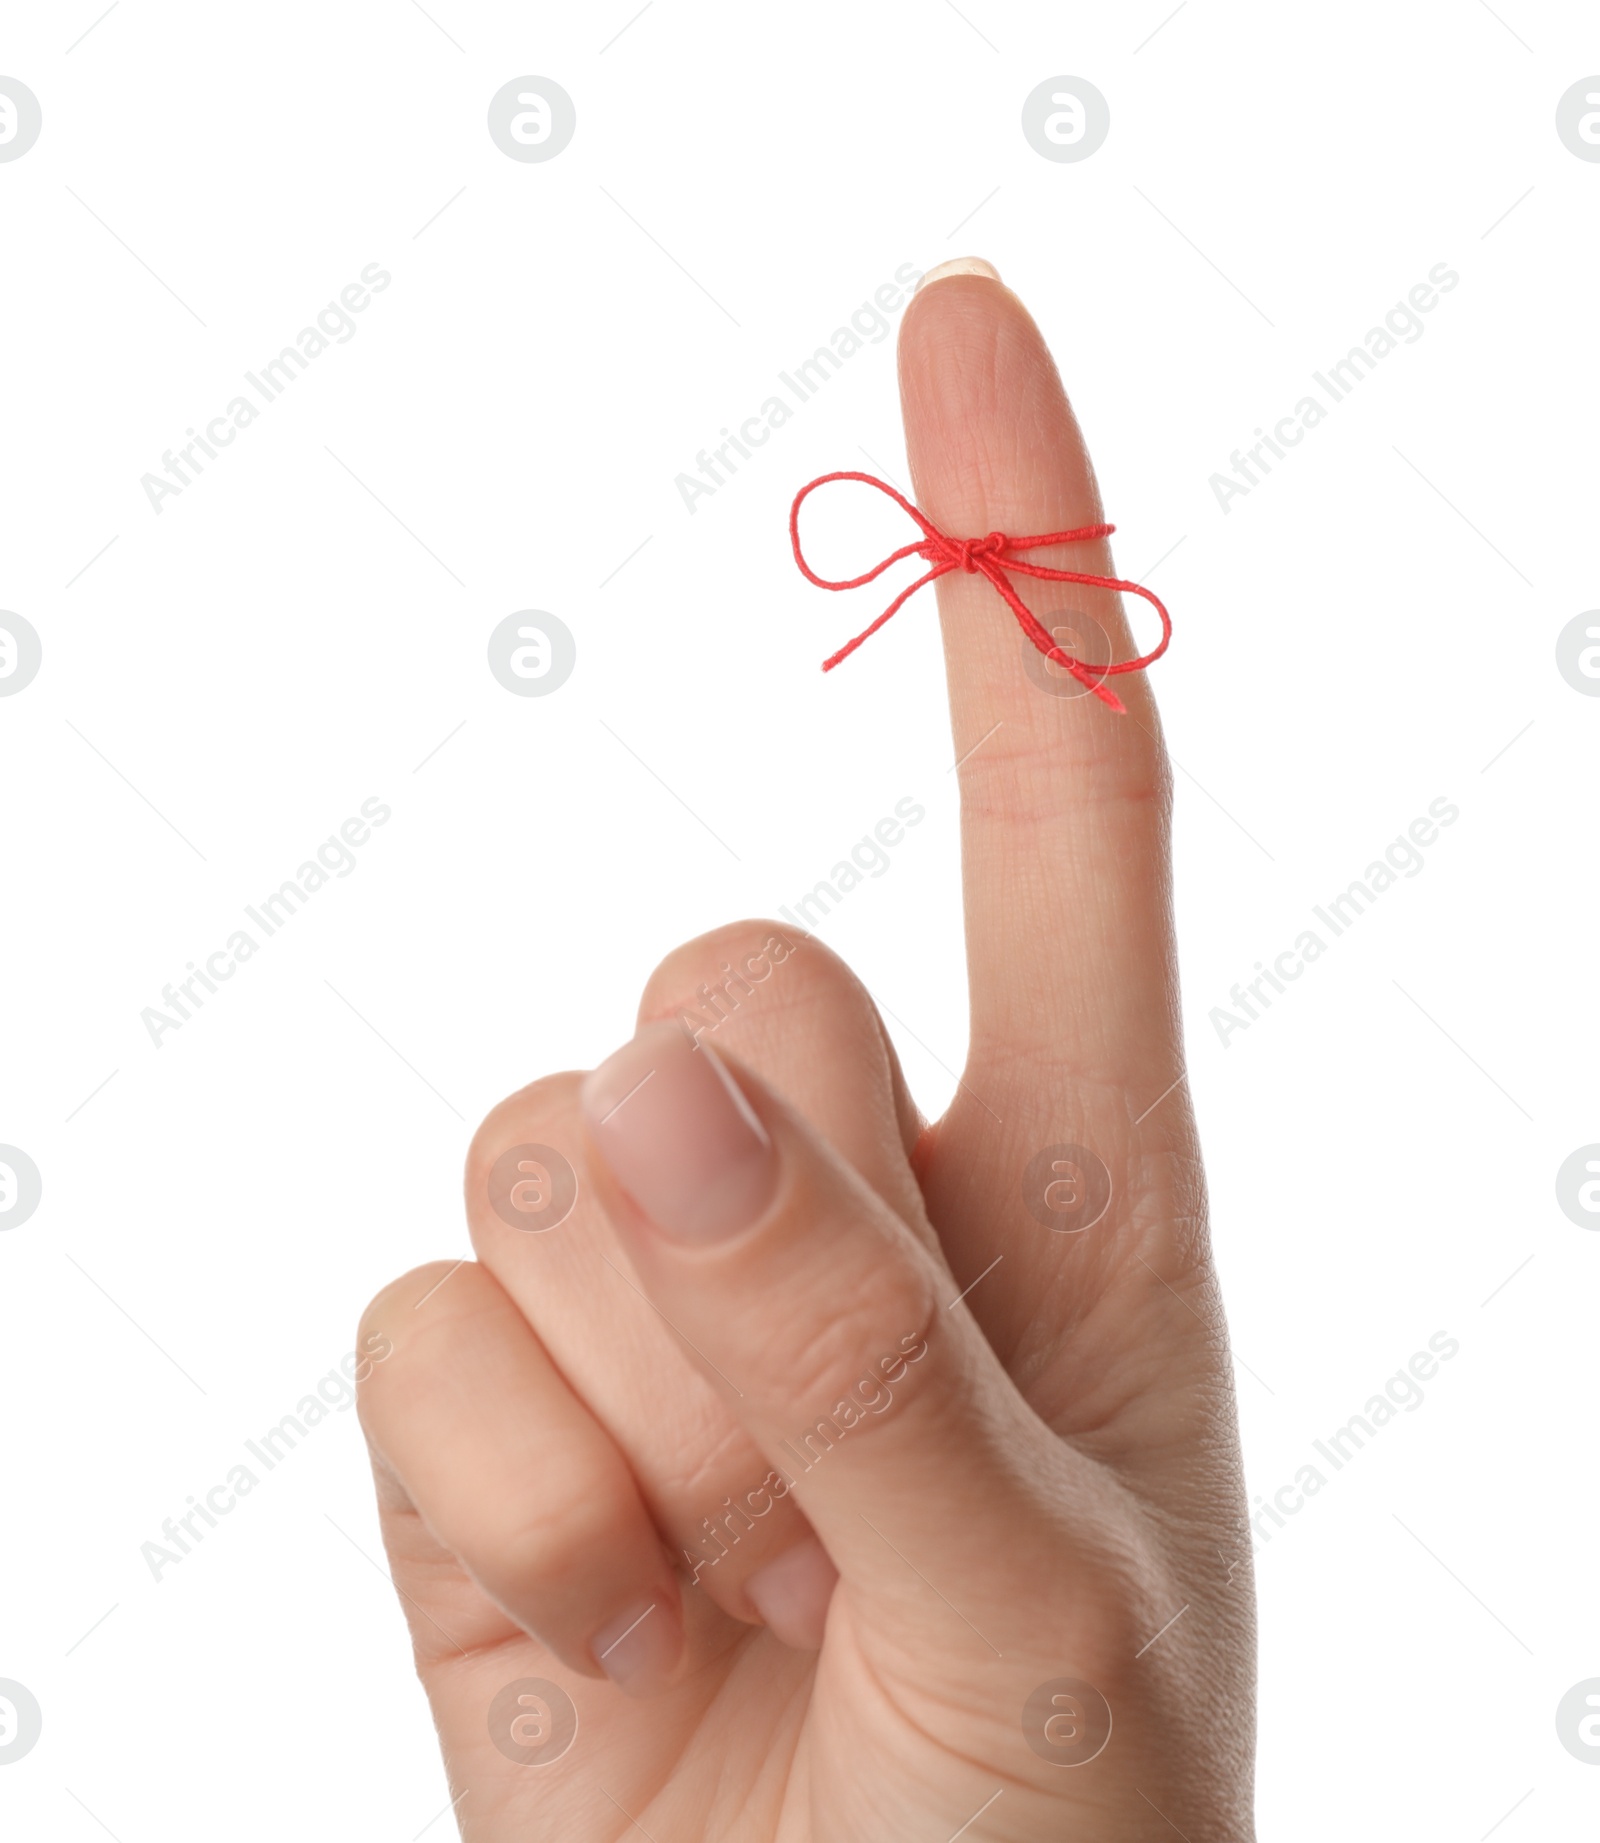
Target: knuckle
pixel 423 1308
pixel 741 951
pixel 387 1312
pixel 543 1113
pixel 728 974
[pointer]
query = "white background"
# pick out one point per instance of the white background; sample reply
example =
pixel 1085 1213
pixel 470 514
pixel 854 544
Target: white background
pixel 1364 633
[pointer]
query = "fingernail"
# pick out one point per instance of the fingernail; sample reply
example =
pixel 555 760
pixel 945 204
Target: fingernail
pixel 638 1649
pixel 679 1137
pixel 962 265
pixel 792 1594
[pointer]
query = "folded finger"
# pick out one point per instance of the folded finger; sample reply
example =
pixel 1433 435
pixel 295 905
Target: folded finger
pixel 515 1478
pixel 702 1479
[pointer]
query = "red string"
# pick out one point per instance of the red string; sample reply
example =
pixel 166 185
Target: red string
pixel 985 556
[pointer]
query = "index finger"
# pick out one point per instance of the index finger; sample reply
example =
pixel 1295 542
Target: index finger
pixel 1064 803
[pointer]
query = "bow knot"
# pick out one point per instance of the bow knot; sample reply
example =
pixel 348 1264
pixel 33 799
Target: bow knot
pixel 964 553
pixel 986 556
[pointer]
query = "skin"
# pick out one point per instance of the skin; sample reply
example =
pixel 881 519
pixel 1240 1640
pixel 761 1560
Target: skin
pixel 1041 1480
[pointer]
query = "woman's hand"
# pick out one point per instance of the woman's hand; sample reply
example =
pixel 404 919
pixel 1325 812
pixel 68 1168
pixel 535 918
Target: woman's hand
pixel 840 1476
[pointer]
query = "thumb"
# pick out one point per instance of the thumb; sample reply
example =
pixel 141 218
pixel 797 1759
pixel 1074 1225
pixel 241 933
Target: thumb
pixel 830 1327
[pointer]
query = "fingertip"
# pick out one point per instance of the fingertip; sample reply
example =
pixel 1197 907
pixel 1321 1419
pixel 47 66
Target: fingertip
pixel 990 434
pixel 793 1593
pixel 960 265
pixel 639 1649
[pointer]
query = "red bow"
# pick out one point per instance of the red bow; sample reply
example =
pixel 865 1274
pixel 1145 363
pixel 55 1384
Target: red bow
pixel 985 556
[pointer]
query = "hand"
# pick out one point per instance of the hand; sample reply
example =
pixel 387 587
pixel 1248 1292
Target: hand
pixel 846 1476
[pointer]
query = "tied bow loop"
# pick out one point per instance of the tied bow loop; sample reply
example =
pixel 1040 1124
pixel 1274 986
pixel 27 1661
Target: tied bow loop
pixel 985 556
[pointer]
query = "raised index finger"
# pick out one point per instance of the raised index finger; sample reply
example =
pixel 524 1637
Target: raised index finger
pixel 1064 803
